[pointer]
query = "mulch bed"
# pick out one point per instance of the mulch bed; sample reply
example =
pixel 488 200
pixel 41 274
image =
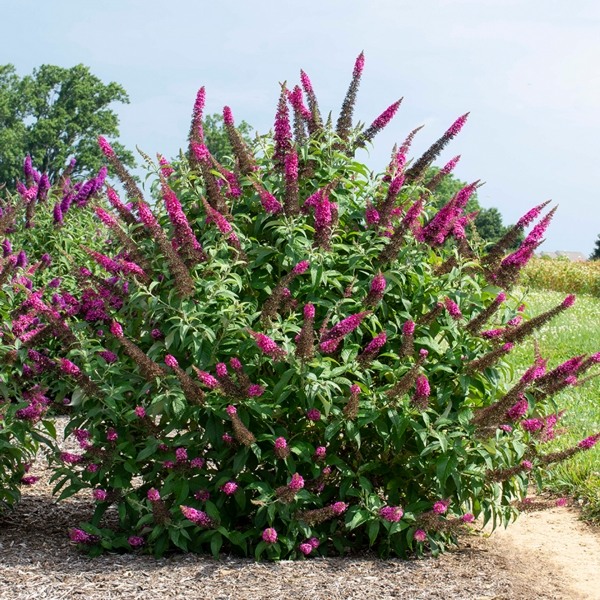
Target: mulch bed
pixel 37 560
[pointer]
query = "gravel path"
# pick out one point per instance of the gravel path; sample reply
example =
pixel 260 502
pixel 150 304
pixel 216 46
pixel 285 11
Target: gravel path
pixel 545 555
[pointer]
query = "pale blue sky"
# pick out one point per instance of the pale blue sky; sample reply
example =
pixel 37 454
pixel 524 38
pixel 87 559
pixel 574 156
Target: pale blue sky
pixel 526 69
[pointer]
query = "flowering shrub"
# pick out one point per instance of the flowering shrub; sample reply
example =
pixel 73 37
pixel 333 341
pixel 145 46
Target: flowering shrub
pixel 41 229
pixel 298 362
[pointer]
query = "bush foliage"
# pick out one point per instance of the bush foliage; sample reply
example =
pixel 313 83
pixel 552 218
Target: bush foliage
pixel 285 356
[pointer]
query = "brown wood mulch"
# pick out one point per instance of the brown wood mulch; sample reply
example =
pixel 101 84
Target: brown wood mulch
pixel 38 561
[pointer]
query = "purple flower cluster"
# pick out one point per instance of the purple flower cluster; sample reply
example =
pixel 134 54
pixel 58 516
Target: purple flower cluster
pixel 229 488
pixel 207 379
pixel 296 483
pixel 269 535
pixel 385 117
pixel 452 309
pixel 420 398
pixel 268 201
pixel 199 517
pixel 331 339
pixel 105 146
pixel 313 414
pixel 281 448
pixel 267 345
pixel 393 514
pixel 589 442
pixel 296 100
pixel 171 361
pixel 78 536
pixel 184 236
pixel 518 409
pixel 38 404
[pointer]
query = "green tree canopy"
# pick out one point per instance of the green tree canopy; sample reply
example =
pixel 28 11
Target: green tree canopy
pixel 216 138
pixel 54 114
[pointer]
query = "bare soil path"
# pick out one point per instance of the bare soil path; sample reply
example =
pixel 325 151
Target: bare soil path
pixel 548 554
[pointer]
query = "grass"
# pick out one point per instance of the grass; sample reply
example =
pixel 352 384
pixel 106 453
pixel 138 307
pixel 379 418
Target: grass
pixel 563 275
pixel 575 331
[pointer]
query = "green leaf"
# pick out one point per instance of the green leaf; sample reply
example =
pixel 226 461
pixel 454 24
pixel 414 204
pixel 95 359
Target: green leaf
pixel 373 531
pixel 216 541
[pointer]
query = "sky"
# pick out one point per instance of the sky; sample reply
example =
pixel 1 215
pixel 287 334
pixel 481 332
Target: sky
pixel 527 70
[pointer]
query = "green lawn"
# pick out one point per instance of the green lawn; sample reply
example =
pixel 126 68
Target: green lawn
pixel 576 331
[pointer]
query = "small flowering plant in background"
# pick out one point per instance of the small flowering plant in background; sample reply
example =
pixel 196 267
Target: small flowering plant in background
pixel 289 356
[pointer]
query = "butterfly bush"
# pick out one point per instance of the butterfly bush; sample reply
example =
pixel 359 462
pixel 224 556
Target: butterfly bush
pixel 33 335
pixel 286 356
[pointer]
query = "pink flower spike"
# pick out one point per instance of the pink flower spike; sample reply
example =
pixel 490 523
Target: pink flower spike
pixel 221 370
pixel 231 410
pixel 78 536
pixel 207 379
pixel 393 514
pixel 339 507
pixel 452 309
pixel 171 361
pixel 196 516
pixel 116 329
pixel 105 217
pixel 296 483
pixel 386 116
pixel 280 443
pixel 228 116
pixel 201 152
pixel 105 147
pixel 441 506
pixel 457 125
pixel 568 301
pixel 229 488
pixel 301 267
pixel 589 442
pixel 306 83
pixel 313 414
pixel 267 345
pixel 467 518
pixel 309 311
pixel 359 65
pixel 153 495
pixel 255 391
pixel 66 366
pixel 269 535
pixel 305 548
pixel 100 495
pixel 269 202
pixel 419 536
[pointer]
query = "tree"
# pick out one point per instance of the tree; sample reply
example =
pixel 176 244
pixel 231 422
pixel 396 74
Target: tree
pixel 54 114
pixel 216 138
pixel 489 224
pixel 595 255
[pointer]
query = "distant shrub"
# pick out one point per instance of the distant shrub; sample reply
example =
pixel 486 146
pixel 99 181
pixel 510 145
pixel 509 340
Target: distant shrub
pixel 563 275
